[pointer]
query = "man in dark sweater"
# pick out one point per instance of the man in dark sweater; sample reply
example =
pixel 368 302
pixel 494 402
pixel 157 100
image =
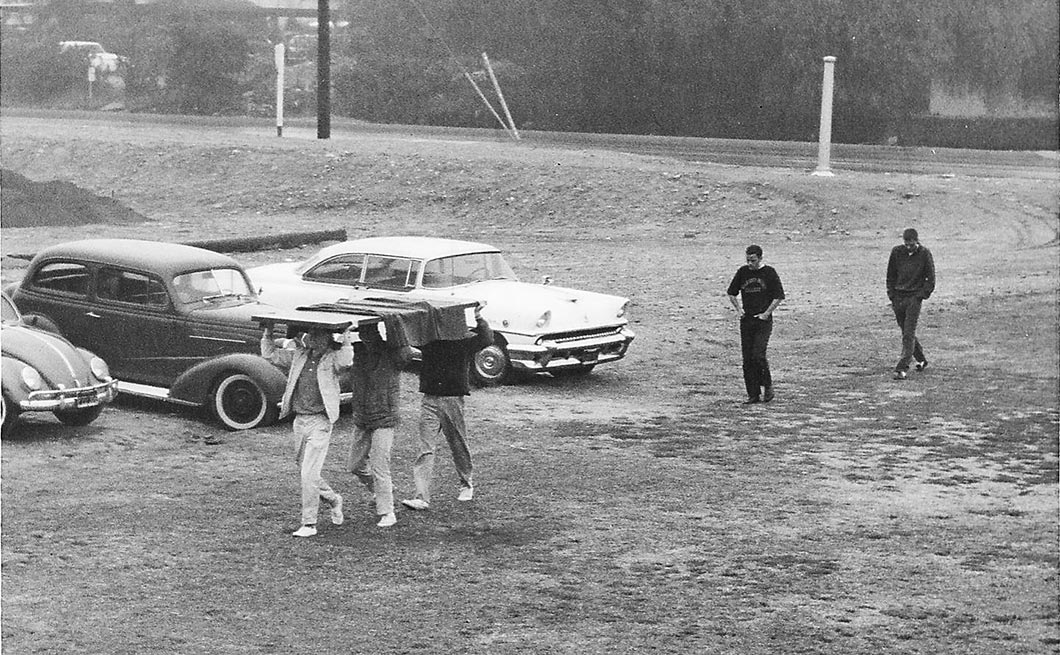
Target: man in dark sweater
pixel 444 381
pixel 761 291
pixel 910 281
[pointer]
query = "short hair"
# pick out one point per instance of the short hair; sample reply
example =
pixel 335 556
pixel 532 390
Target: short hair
pixel 754 250
pixel 910 235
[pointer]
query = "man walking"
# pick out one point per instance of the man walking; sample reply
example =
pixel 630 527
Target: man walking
pixel 760 290
pixel 314 364
pixel 910 281
pixel 444 381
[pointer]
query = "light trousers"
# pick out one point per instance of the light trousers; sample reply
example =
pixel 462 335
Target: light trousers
pixel 369 460
pixel 313 434
pixel 441 415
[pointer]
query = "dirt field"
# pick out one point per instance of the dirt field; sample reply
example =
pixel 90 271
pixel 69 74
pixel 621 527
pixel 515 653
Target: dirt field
pixel 639 510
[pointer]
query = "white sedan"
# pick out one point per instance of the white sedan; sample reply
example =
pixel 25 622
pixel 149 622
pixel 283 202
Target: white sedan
pixel 539 328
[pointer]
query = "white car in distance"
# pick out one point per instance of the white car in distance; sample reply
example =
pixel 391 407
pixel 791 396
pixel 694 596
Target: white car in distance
pixel 539 328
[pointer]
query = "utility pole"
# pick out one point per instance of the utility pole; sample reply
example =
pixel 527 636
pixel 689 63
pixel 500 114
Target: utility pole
pixel 323 70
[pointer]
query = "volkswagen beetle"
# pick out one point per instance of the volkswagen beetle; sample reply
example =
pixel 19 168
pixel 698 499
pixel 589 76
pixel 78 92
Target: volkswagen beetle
pixel 43 372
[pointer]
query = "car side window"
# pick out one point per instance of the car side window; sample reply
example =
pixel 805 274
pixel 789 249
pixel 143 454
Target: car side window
pixel 345 269
pixel 62 277
pixel 130 287
pixel 390 272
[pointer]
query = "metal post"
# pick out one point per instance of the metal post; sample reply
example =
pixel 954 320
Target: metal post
pixel 500 96
pixel 323 70
pixel 278 52
pixel 824 144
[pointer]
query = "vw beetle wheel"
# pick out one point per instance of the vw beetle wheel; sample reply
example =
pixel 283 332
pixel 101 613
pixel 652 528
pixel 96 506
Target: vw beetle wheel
pixel 491 366
pixel 9 412
pixel 239 403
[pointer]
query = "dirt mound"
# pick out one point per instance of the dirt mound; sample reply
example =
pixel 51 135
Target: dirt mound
pixel 25 203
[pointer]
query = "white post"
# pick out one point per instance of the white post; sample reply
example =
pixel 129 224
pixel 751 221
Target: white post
pixel 278 53
pixel 824 143
pixel 500 96
pixel 91 79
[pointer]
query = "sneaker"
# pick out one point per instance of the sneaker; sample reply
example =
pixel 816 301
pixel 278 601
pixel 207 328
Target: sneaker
pixel 305 531
pixel 900 375
pixel 768 395
pixel 752 400
pixel 336 511
pixel 387 520
pixel 416 503
pixel 920 366
pixel 467 493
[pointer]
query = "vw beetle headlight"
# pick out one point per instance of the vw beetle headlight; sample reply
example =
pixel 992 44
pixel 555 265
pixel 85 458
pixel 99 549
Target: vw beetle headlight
pixel 543 320
pixel 99 369
pixel 32 379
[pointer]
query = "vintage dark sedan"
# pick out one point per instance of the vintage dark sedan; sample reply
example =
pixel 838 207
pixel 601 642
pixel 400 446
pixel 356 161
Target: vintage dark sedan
pixel 172 321
pixel 43 372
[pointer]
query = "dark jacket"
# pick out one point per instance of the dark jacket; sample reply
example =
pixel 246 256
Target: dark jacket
pixel 445 364
pixel 910 273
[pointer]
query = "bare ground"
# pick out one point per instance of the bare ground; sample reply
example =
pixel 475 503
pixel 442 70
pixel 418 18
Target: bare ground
pixel 641 509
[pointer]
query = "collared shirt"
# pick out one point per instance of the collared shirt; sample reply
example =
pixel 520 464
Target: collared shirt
pixel 307 398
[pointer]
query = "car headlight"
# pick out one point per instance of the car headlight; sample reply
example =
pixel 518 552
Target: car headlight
pixel 32 379
pixel 622 309
pixel 99 369
pixel 543 320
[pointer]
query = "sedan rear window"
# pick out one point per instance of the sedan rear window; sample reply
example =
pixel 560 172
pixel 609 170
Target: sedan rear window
pixel 344 269
pixel 62 277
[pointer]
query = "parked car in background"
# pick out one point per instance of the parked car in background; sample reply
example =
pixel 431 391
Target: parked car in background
pixel 538 328
pixel 174 322
pixel 94 53
pixel 43 372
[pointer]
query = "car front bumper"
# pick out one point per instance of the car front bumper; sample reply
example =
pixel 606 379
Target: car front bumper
pixel 549 354
pixel 64 399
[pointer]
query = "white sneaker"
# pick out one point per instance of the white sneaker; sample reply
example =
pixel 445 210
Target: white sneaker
pixel 304 531
pixel 336 511
pixel 387 520
pixel 416 503
pixel 467 493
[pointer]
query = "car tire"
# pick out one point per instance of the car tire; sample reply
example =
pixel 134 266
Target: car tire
pixel 239 403
pixel 9 413
pixel 78 417
pixel 491 366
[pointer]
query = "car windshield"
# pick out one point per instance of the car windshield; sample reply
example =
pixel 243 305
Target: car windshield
pixel 465 269
pixel 9 313
pixel 211 285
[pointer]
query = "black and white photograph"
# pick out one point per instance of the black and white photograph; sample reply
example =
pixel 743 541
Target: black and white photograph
pixel 536 327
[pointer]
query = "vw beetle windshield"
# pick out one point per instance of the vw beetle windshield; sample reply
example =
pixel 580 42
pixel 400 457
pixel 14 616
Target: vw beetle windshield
pixel 212 285
pixel 465 269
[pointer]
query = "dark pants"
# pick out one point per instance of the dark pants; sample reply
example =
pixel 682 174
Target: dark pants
pixel 754 339
pixel 907 313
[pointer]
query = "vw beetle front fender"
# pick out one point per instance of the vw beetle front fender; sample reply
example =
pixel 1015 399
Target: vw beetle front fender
pixel 195 384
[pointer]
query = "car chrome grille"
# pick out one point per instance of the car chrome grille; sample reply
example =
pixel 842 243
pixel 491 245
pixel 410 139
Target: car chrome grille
pixel 578 335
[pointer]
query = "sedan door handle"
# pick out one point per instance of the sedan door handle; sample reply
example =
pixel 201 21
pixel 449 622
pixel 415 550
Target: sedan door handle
pixel 92 315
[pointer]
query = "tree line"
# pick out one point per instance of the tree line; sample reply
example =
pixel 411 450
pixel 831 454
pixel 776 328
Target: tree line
pixel 732 68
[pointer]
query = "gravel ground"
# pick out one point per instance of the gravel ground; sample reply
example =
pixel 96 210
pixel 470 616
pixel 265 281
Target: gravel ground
pixel 641 509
